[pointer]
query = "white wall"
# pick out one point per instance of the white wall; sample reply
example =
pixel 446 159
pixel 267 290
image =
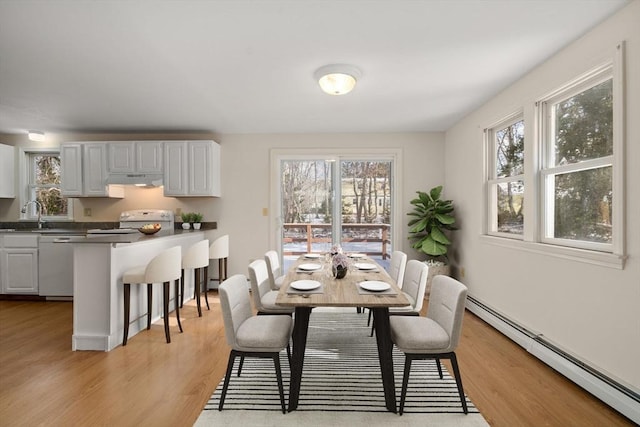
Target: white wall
pixel 590 311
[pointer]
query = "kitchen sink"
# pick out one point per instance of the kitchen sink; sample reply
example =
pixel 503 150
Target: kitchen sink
pixel 62 231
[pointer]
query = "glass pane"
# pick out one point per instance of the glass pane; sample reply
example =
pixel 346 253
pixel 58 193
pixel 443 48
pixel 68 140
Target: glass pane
pixel 307 203
pixel 47 169
pixel 510 150
pixel 52 202
pixel 584 125
pixel 583 203
pixel 366 207
pixel 510 207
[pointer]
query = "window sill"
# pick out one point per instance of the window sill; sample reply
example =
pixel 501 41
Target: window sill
pixel 581 255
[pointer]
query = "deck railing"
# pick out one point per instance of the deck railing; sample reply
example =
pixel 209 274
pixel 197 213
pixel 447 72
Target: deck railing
pixel 296 233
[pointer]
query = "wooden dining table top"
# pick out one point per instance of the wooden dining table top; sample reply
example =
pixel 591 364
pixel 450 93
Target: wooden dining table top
pixel 339 292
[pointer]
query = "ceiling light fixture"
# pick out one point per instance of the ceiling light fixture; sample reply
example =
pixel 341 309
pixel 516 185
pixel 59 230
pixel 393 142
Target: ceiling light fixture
pixel 337 79
pixel 36 136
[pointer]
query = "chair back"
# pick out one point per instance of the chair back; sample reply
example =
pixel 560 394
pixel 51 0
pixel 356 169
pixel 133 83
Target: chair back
pixel 415 282
pixel 164 267
pixel 273 267
pixel 219 248
pixel 260 284
pixel 446 306
pixel 398 264
pixel 235 305
pixel 197 256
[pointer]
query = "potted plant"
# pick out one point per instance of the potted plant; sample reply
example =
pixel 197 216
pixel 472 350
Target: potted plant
pixel 432 219
pixel 196 218
pixel 186 220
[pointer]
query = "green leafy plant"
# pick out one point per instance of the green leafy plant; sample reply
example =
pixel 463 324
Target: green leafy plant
pixel 432 217
pixel 196 217
pixel 186 217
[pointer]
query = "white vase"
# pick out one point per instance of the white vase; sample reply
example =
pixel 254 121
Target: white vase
pixel 186 225
pixel 196 225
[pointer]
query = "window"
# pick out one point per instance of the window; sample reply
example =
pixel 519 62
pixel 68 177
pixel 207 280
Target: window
pixel 505 178
pixel 577 164
pixel 43 186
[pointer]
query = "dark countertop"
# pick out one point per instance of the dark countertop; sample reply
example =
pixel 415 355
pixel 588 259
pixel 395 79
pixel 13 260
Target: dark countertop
pixel 125 238
pixel 75 228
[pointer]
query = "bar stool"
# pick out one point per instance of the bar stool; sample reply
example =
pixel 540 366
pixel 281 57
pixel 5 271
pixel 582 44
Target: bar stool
pixel 197 258
pixel 219 250
pixel 163 268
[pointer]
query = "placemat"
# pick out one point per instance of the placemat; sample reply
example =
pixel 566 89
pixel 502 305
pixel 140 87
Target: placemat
pixel 291 291
pixel 389 291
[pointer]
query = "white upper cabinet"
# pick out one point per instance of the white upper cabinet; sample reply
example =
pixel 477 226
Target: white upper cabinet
pixel 71 169
pixel 7 171
pixel 84 171
pixel 192 168
pixel 135 157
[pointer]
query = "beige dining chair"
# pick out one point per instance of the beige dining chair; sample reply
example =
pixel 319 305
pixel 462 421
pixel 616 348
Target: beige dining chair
pixel 250 336
pixel 273 268
pixel 396 271
pixel 264 298
pixel 413 287
pixel 435 336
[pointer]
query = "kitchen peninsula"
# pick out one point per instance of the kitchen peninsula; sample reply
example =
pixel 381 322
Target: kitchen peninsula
pixel 99 262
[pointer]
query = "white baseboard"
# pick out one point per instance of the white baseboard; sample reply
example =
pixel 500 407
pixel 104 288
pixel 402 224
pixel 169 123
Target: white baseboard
pixel 619 397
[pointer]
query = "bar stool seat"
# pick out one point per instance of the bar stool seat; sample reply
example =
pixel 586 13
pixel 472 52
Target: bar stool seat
pixel 163 268
pixel 219 250
pixel 196 258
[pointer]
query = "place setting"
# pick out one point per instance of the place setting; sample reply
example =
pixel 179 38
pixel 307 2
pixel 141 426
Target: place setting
pixel 308 268
pixel 305 287
pixel 375 287
pixel 366 267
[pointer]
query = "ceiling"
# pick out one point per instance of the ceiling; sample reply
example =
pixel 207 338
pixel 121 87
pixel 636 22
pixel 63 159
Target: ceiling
pixel 240 66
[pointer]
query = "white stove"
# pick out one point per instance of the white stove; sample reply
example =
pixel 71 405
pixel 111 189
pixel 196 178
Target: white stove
pixel 130 221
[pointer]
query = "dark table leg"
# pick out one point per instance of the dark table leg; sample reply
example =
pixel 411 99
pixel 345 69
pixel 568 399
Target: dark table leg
pixel 300 329
pixel 385 348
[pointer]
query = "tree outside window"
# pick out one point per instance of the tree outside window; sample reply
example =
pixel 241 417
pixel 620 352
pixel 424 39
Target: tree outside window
pixel 44 186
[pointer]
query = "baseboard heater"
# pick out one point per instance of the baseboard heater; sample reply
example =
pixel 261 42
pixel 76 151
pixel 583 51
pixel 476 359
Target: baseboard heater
pixel 611 392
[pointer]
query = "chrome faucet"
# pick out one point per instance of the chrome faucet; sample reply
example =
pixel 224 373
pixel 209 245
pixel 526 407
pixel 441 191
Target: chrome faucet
pixel 39 206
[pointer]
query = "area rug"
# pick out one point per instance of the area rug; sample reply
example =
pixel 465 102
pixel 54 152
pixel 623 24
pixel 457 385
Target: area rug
pixel 341 384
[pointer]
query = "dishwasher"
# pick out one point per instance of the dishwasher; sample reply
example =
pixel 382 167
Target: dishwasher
pixel 55 268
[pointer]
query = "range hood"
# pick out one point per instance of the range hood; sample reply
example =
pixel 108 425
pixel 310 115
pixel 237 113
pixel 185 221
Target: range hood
pixel 138 179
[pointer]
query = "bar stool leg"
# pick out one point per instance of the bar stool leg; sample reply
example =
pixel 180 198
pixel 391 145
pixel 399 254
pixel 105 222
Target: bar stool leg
pixel 177 284
pixel 197 291
pixel 149 303
pixel 127 303
pixel 181 289
pixel 165 286
pixel 205 283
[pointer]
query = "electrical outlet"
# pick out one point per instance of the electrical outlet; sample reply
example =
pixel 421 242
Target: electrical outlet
pixel 462 272
pixel 87 211
pixel 178 211
pixel 265 211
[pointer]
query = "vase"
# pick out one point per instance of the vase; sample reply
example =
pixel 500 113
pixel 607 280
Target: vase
pixel 186 225
pixel 339 272
pixel 196 225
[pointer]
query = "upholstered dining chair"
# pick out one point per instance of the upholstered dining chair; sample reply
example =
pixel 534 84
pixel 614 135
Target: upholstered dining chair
pixel 396 271
pixel 248 335
pixel 413 287
pixel 273 268
pixel 264 298
pixel 435 336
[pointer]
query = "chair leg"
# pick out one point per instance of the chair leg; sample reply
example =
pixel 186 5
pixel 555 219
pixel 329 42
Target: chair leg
pixel 456 372
pixel 405 381
pixel 127 303
pixel 369 318
pixel 149 303
pixel 181 289
pixel 439 367
pixel 165 309
pixel 289 354
pixel 240 365
pixel 205 285
pixel 373 325
pixel 276 362
pixel 177 283
pixel 227 377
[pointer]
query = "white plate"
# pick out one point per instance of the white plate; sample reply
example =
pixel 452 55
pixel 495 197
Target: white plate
pixel 312 256
pixel 357 256
pixel 365 266
pixel 309 267
pixel 305 285
pixel 374 286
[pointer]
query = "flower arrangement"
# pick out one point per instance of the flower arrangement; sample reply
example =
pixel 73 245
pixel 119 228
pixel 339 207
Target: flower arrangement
pixel 335 249
pixel 340 261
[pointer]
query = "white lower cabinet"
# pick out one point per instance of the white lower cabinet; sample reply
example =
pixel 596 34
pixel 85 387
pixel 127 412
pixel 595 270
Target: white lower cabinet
pixel 19 264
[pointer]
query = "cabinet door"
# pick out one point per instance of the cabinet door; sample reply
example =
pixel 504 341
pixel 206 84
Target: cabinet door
pixel 148 156
pixel 95 175
pixel 121 157
pixel 200 168
pixel 71 170
pixel 7 176
pixel 19 271
pixel 175 169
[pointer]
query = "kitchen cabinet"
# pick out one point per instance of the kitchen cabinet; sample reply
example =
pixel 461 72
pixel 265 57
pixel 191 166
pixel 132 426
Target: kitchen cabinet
pixel 19 263
pixel 84 171
pixel 192 169
pixel 7 171
pixel 135 157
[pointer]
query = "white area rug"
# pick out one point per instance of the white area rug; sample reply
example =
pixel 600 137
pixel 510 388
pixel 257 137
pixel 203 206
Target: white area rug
pixel 341 385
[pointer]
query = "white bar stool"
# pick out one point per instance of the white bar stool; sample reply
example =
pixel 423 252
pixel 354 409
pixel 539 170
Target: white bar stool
pixel 163 268
pixel 219 250
pixel 196 258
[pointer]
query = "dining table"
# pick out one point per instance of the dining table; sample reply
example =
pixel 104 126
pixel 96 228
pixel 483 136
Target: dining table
pixel 310 282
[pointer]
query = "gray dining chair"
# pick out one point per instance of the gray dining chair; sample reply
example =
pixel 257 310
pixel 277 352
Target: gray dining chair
pixel 250 336
pixel 264 299
pixel 396 271
pixel 273 268
pixel 435 336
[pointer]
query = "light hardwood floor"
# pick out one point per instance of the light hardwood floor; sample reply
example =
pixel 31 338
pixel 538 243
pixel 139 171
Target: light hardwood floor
pixel 151 383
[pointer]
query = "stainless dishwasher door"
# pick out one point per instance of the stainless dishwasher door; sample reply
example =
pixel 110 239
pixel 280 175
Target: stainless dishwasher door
pixel 55 267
